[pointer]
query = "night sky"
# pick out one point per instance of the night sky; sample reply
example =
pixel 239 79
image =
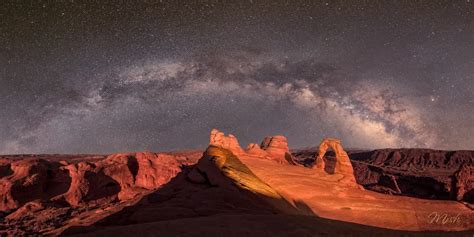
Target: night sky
pixel 101 77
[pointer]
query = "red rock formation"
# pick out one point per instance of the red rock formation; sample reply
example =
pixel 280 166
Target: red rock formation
pixel 272 148
pixel 465 183
pixel 120 176
pixel 343 164
pixel 28 180
pixel 277 148
pixel 255 150
pixel 155 170
pixel 229 142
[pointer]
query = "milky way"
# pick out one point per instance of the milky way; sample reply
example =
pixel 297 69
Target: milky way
pixel 158 75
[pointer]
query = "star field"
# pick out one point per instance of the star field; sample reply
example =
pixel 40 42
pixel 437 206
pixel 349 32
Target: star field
pixel 111 76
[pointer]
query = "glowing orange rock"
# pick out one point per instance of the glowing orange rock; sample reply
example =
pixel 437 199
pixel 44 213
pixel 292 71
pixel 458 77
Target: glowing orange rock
pixel 272 148
pixel 255 150
pixel 343 163
pixel 229 142
pixel 277 148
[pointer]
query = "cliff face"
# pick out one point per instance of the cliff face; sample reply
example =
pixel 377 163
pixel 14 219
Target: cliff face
pixel 423 173
pixel 416 159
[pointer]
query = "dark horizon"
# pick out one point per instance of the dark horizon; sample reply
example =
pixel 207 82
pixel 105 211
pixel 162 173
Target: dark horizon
pixel 203 148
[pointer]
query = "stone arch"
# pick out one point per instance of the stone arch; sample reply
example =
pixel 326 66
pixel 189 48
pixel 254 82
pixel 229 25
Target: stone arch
pixel 343 164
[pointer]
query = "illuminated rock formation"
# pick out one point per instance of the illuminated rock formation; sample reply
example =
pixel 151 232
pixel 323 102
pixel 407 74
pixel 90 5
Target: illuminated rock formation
pixel 343 164
pixel 277 147
pixel 254 149
pixel 230 142
pixel 272 148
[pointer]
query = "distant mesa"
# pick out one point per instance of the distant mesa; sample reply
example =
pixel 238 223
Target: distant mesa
pixel 416 172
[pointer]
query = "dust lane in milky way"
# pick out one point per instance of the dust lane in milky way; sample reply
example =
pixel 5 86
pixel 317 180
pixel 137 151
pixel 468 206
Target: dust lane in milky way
pixel 158 75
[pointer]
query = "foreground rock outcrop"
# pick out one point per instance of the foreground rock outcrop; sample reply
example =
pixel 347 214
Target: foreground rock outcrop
pixel 221 168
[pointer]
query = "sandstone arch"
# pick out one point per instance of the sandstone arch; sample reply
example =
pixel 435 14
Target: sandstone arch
pixel 343 164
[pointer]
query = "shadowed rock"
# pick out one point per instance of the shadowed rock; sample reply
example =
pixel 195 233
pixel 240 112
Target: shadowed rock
pixel 415 172
pixel 465 183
